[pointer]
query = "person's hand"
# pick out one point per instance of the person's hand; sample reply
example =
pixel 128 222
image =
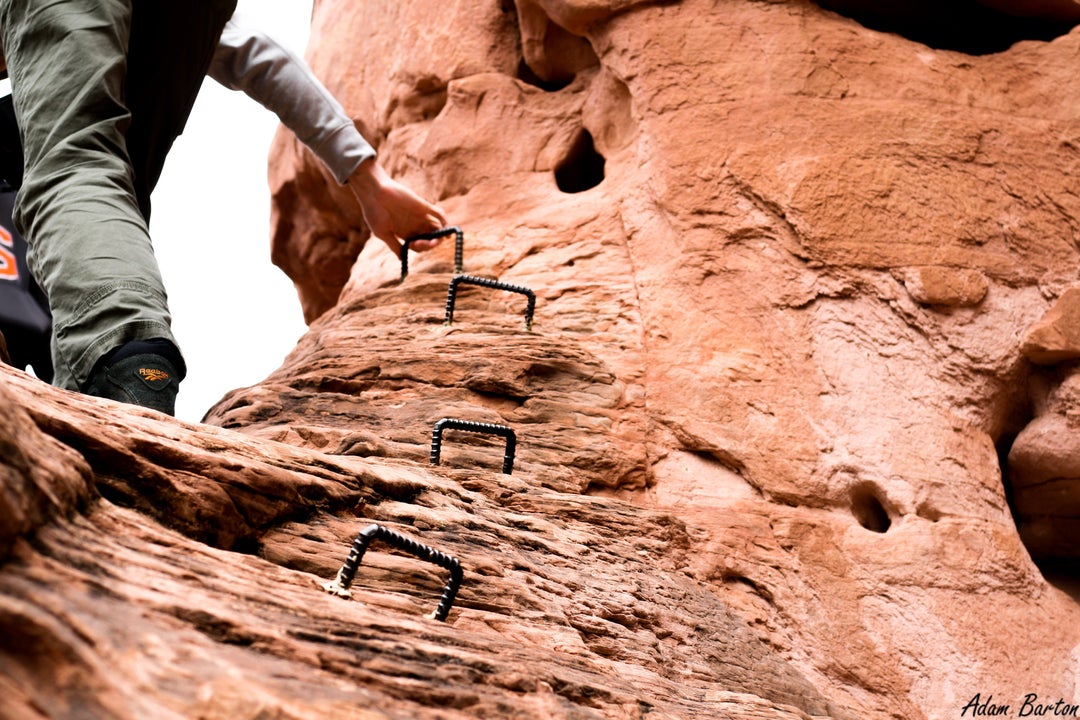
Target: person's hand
pixel 392 211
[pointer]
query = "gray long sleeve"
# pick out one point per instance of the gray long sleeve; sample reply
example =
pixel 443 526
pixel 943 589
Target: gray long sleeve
pixel 276 78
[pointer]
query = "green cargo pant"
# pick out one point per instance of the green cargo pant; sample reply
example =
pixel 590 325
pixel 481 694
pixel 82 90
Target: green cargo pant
pixel 84 97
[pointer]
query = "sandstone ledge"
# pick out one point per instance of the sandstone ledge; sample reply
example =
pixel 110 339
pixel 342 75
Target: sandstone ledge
pixel 124 605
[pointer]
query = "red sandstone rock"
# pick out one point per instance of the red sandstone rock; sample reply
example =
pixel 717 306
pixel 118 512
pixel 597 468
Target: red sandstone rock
pixel 1044 471
pixel 1056 336
pixel 946 286
pixel 783 266
pixel 192 586
pixel 807 269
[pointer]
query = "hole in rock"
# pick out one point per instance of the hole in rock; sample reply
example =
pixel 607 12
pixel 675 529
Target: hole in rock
pixel 552 56
pixel 1003 446
pixel 583 167
pixel 246 546
pixel 868 508
pixel 966 26
pixel 526 75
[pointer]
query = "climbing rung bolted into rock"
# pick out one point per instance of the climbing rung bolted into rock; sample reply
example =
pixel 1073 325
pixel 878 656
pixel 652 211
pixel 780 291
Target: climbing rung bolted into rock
pixel 459 242
pixel 476 427
pixel 451 295
pixel 340 585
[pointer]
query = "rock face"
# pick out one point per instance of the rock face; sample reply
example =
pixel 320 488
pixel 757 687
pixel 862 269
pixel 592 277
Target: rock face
pixel 792 275
pixel 175 572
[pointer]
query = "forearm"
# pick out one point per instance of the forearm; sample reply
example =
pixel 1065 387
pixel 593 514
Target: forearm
pixel 269 73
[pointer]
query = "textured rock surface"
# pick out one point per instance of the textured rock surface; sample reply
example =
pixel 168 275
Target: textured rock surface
pixel 1044 464
pixel 1055 338
pixel 784 266
pixel 807 270
pixel 190 587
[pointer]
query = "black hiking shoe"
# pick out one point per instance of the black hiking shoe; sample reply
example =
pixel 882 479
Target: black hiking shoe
pixel 146 379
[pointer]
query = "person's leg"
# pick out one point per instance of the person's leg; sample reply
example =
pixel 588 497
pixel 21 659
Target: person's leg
pixel 89 244
pixel 172 43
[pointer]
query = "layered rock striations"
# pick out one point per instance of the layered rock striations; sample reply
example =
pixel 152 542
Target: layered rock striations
pixel 794 417
pixel 158 569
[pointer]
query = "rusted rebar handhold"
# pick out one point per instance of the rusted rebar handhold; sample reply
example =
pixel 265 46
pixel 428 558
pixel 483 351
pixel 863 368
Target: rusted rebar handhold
pixel 476 427
pixel 340 585
pixel 459 242
pixel 451 295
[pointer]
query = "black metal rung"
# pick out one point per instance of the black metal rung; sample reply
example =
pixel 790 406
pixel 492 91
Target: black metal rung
pixel 459 242
pixel 340 584
pixel 476 427
pixel 451 295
